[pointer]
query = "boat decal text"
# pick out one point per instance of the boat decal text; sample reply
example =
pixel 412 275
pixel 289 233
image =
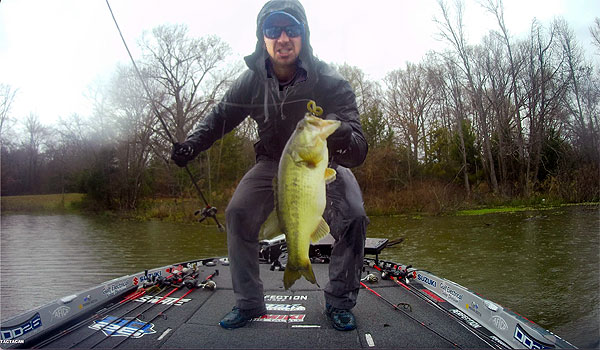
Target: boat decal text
pixel 21 329
pixel 450 292
pixel 114 289
pixel 465 318
pixel 285 297
pixel 281 318
pixel 285 307
pixel 426 280
pixel 474 308
pixel 133 328
pixel 499 323
pixel 153 299
pixel 60 312
pixel 528 341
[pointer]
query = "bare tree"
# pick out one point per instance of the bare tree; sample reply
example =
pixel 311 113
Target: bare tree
pixel 410 96
pixel 190 72
pixel 454 34
pixel 577 72
pixel 7 96
pixel 496 7
pixel 36 135
pixel 595 31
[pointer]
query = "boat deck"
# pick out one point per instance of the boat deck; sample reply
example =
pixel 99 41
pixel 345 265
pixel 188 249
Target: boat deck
pixel 296 319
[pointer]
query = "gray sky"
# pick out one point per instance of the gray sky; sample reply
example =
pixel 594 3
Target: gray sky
pixel 53 50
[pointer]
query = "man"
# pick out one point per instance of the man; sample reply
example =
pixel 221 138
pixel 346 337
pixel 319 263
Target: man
pixel 282 76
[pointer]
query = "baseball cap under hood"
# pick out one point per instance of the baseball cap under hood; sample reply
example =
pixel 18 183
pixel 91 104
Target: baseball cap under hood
pixel 294 8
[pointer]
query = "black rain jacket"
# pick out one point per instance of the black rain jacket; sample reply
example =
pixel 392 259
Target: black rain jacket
pixel 277 112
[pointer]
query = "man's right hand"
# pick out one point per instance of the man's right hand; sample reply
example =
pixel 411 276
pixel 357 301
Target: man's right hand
pixel 182 153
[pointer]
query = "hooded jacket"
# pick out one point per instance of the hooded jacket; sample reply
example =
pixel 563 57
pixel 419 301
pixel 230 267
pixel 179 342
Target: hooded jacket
pixel 276 112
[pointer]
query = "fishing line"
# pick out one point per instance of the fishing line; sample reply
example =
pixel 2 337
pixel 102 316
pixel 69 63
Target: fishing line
pixel 133 319
pixel 106 314
pixel 157 113
pixel 165 310
pixel 411 317
pixel 94 317
pixel 413 290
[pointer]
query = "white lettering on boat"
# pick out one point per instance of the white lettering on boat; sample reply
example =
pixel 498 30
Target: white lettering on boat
pixel 281 318
pixel 166 301
pixel 285 307
pixel 499 323
pixel 465 318
pixel 285 297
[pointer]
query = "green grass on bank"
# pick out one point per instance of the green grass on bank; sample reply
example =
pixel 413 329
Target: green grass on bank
pixel 42 202
pixel 514 209
pixel 183 209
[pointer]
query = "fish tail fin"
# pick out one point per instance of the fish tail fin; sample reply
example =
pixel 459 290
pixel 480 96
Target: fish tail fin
pixel 293 273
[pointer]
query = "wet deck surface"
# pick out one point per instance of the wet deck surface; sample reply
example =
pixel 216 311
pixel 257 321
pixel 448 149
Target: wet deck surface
pixel 296 321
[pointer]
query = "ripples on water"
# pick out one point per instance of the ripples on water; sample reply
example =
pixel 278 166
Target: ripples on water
pixel 543 264
pixel 45 257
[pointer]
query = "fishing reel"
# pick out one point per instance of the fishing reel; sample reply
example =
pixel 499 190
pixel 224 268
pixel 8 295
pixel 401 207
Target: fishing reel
pixel 371 278
pixel 396 272
pixel 206 212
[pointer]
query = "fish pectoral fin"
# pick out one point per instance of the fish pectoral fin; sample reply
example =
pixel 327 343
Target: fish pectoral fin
pixel 329 175
pixel 270 228
pixel 321 231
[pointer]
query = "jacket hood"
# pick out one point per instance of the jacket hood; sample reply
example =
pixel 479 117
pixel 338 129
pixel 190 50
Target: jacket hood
pixel 256 60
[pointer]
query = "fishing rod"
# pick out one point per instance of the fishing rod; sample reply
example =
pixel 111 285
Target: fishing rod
pixel 118 319
pixel 128 299
pixel 209 211
pixel 177 275
pixel 199 285
pixel 394 274
pixel 135 294
pixel 406 306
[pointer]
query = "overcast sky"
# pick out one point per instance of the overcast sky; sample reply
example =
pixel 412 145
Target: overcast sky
pixel 52 51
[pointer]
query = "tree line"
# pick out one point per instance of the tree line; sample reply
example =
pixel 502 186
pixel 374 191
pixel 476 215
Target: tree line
pixel 504 118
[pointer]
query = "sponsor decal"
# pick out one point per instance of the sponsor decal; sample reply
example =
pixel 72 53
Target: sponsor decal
pixel 87 301
pixel 136 281
pixel 144 278
pixel 465 318
pixel 60 312
pixel 285 307
pixel 474 308
pixel 122 327
pixel 528 341
pixel 450 292
pixel 499 323
pixel 427 280
pixel 166 301
pixel 19 330
pixel 114 289
pixel 281 318
pixel 285 297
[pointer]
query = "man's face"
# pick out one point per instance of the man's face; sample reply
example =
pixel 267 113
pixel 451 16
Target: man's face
pixel 284 50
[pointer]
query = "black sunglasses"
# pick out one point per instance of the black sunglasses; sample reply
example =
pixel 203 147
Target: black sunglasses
pixel 291 31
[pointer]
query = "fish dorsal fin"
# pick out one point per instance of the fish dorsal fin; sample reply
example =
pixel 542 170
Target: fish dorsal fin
pixel 329 175
pixel 270 228
pixel 321 231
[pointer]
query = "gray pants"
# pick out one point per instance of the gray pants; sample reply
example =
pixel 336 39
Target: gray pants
pixel 249 207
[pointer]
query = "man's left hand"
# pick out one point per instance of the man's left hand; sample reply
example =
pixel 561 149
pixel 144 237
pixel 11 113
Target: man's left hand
pixel 342 137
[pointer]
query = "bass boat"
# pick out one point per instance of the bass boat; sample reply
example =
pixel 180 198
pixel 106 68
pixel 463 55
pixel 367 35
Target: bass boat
pixel 180 306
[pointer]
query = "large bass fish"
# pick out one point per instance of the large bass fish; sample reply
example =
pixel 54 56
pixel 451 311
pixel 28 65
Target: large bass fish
pixel 300 195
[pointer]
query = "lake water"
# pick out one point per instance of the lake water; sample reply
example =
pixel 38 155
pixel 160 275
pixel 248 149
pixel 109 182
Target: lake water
pixel 545 265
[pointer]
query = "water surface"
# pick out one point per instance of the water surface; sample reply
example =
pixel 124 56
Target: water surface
pixel 544 265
